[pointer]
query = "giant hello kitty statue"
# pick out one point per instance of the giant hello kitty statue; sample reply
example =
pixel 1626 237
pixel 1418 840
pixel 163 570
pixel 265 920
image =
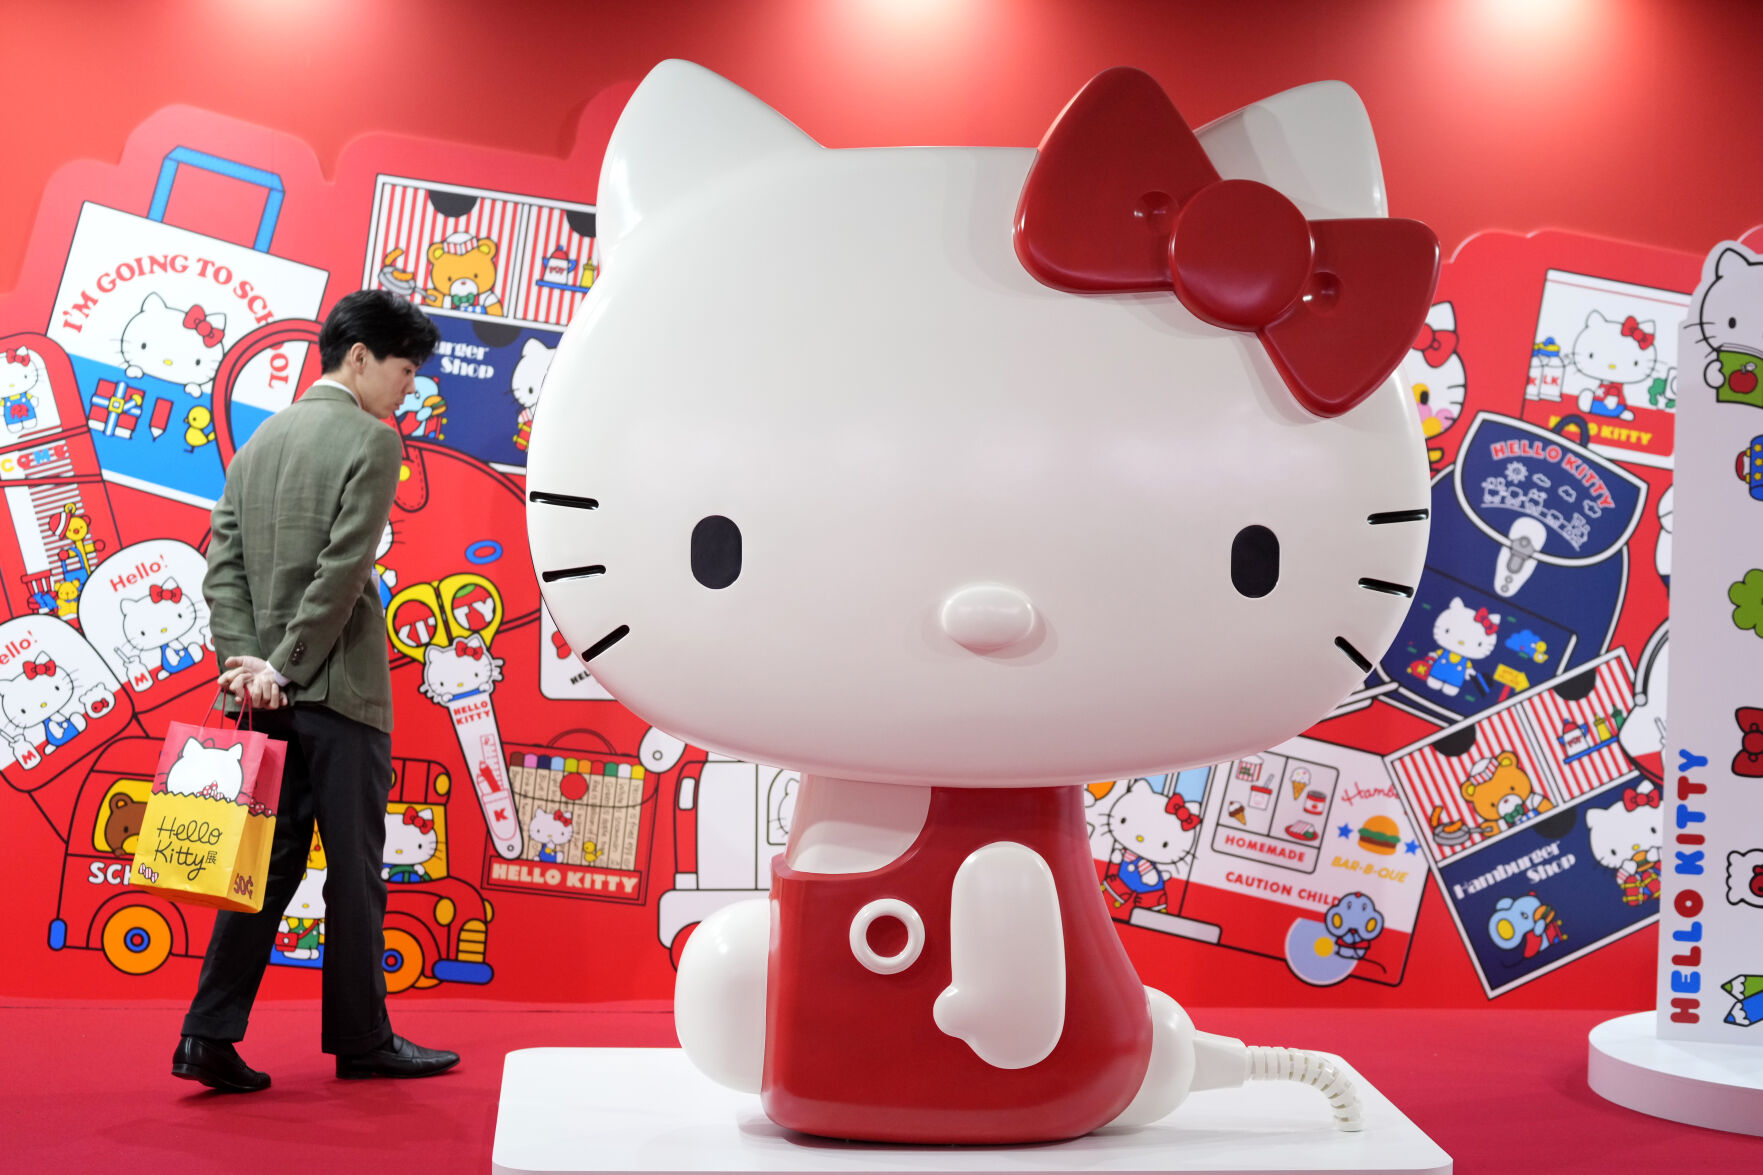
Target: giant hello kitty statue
pixel 954 478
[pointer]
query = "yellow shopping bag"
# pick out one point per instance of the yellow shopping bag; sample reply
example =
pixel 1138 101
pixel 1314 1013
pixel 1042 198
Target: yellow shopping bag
pixel 210 819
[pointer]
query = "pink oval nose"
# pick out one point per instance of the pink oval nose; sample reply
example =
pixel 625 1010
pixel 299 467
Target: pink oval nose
pixel 986 617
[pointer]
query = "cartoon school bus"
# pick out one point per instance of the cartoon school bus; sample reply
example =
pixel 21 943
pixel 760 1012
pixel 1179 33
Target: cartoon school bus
pixel 730 819
pixel 436 929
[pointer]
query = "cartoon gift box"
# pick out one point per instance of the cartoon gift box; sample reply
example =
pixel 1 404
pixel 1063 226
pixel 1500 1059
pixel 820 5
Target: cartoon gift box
pixel 210 820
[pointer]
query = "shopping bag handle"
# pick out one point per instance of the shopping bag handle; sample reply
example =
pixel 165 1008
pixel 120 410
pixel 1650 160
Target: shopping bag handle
pixel 244 173
pixel 245 712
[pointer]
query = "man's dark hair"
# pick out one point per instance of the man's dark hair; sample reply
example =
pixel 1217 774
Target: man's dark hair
pixel 384 323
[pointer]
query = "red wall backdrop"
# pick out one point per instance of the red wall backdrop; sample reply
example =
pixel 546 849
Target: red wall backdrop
pixel 1609 117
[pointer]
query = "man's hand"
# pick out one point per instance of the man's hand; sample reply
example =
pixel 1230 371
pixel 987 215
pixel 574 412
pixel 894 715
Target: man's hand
pixel 251 679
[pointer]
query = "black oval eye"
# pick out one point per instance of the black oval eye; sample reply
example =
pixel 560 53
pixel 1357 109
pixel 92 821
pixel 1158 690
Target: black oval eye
pixel 1254 561
pixel 1425 397
pixel 1731 323
pixel 716 551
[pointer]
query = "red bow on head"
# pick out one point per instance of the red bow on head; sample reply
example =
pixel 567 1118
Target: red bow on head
pixel 157 594
pixel 417 822
pixel 39 669
pixel 196 320
pixel 1632 799
pixel 17 355
pixel 563 818
pixel 461 649
pixel 1121 196
pixel 1436 346
pixel 1749 761
pixel 1178 808
pixel 1632 329
pixel 1486 621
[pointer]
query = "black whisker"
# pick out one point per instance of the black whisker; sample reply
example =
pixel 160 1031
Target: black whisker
pixel 572 573
pixel 606 642
pixel 1385 586
pixel 1353 655
pixel 1420 515
pixel 569 500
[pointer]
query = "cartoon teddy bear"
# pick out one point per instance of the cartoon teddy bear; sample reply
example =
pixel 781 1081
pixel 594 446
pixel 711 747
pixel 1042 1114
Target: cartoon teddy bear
pixel 1502 793
pixel 122 822
pixel 462 275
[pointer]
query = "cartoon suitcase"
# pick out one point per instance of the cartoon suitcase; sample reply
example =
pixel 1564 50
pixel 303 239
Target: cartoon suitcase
pixel 1526 568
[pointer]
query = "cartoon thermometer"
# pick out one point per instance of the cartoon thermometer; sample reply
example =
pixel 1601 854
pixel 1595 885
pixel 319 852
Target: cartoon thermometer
pixel 446 628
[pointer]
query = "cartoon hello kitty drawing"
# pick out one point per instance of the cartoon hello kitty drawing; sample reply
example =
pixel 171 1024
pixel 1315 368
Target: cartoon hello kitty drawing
pixel 1153 836
pixel 1434 374
pixel 386 578
pixel 178 345
pixel 1729 324
pixel 529 377
pixel 164 621
pixel 551 831
pixel 301 930
pixel 1625 838
pixel 40 710
pixel 202 770
pixel 411 841
pixel 20 376
pixel 988 374
pixel 1609 356
pixel 459 670
pixel 1464 638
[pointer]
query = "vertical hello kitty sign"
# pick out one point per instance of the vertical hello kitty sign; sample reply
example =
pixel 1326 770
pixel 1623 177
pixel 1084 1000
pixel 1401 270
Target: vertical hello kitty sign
pixel 59 701
pixel 147 310
pixel 143 611
pixel 1710 969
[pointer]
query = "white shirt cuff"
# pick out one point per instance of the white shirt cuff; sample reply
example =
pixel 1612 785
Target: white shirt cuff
pixel 284 682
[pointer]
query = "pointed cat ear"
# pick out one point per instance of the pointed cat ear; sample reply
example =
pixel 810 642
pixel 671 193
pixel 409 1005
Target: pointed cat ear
pixel 153 302
pixel 217 321
pixel 1313 143
pixel 189 745
pixel 1730 262
pixel 683 128
pixel 1594 316
pixel 1442 316
pixel 1647 326
pixel 426 813
pixel 168 582
pixel 237 752
pixel 532 347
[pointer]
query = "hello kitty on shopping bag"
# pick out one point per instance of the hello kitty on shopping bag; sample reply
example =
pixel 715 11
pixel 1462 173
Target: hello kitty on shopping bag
pixel 964 393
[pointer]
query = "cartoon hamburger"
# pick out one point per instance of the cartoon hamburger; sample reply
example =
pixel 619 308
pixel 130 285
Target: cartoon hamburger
pixel 1380 835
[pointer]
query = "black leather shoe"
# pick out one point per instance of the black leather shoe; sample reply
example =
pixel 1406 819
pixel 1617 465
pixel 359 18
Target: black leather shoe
pixel 216 1064
pixel 396 1058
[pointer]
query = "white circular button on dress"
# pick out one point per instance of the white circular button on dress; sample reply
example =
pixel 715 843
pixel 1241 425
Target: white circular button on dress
pixel 887 908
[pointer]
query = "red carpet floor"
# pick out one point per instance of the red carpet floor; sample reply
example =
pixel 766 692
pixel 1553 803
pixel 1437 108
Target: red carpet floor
pixel 87 1088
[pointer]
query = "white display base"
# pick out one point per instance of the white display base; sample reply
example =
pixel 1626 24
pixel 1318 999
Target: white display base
pixel 602 1110
pixel 1719 1086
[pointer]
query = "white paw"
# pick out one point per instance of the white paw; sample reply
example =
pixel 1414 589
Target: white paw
pixel 719 996
pixel 133 372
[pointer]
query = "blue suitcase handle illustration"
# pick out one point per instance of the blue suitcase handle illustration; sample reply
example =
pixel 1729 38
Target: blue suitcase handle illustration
pixel 268 180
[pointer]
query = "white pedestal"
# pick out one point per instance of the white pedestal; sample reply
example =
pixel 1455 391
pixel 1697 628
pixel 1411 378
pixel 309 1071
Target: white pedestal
pixel 1719 1086
pixel 603 1110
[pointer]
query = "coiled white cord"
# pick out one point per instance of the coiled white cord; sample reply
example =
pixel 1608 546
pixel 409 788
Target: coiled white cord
pixel 1313 1069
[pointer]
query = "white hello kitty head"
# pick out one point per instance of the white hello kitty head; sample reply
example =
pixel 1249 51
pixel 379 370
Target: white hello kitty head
pixel 216 772
pixel 167 613
pixel 1627 832
pixel 42 691
pixel 1467 632
pixel 181 345
pixel 1434 372
pixel 884 506
pixel 552 828
pixel 1609 350
pixel 463 667
pixel 1731 316
pixel 20 371
pixel 1148 824
pixel 529 372
pixel 308 900
pixel 411 838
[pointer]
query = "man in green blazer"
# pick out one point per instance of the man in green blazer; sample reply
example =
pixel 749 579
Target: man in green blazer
pixel 297 618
